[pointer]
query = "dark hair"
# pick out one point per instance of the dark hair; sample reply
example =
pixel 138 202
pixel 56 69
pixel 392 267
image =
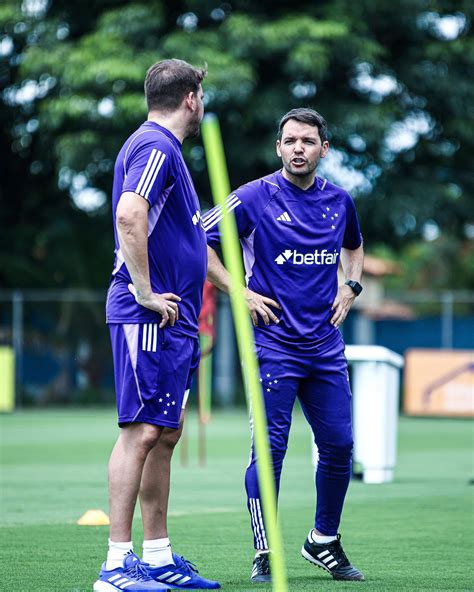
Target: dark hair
pixel 169 81
pixel 308 116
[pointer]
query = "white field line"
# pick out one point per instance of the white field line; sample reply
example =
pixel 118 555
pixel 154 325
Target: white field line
pixel 205 511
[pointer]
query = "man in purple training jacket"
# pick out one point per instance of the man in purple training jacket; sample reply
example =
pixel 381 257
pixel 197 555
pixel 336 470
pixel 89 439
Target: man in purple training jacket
pixel 294 229
pixel 153 304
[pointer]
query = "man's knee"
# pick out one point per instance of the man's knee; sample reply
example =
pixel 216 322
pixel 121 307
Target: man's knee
pixel 169 437
pixel 338 446
pixel 278 448
pixel 144 435
pixel 344 447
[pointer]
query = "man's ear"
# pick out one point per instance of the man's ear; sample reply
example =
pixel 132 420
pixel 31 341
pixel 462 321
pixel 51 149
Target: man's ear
pixel 190 100
pixel 277 147
pixel 324 149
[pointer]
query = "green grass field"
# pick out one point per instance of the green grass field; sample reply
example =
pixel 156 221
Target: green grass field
pixel 413 534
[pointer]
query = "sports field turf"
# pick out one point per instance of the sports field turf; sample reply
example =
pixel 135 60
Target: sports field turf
pixel 413 534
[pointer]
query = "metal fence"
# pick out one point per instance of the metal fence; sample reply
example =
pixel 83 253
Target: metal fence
pixel 61 345
pixel 63 356
pixel 447 305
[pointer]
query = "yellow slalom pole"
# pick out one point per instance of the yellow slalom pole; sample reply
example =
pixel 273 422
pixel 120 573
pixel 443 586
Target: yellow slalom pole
pixel 7 379
pixel 220 186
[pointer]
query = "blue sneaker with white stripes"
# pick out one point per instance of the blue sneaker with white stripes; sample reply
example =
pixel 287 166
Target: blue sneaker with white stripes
pixel 132 576
pixel 331 557
pixel 183 575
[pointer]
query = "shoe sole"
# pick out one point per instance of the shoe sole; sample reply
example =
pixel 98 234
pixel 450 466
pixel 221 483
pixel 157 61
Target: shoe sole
pixel 188 587
pixel 314 561
pixel 101 586
pixel 173 587
pixel 261 580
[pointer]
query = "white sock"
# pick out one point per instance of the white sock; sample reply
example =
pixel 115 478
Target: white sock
pixel 157 552
pixel 320 539
pixel 261 552
pixel 116 554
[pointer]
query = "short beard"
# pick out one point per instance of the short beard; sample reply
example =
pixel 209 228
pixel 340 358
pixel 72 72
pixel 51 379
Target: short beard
pixel 194 128
pixel 302 174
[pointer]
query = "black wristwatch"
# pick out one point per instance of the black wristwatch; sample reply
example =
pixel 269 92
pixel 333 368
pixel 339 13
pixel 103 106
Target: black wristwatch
pixel 354 286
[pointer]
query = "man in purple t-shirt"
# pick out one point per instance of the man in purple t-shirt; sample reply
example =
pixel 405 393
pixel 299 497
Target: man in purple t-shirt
pixel 153 304
pixel 294 229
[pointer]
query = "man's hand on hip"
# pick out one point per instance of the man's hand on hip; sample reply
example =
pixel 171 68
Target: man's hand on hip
pixel 164 304
pixel 342 304
pixel 260 305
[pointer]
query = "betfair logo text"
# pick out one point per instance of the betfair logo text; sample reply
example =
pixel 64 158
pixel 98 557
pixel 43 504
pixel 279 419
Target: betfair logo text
pixel 317 257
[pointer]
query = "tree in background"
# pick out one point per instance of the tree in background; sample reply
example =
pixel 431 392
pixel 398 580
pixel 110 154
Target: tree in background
pixel 395 81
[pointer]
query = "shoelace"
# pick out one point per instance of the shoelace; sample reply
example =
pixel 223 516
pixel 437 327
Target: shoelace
pixel 189 565
pixel 138 571
pixel 263 564
pixel 338 552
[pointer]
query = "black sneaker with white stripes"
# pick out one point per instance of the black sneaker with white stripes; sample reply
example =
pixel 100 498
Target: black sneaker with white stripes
pixel 261 569
pixel 331 557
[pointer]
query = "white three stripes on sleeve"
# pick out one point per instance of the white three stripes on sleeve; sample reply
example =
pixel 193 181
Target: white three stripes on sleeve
pixel 216 214
pixel 154 164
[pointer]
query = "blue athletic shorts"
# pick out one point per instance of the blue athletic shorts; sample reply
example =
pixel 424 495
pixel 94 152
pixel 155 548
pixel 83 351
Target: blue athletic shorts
pixel 153 371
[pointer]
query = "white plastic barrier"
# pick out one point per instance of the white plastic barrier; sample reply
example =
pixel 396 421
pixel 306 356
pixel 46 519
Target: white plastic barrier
pixel 375 390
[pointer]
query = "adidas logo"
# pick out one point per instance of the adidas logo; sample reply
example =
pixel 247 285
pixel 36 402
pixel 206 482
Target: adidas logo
pixel 284 217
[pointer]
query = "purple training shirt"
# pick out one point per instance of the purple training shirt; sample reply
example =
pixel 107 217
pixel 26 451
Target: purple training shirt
pixel 291 240
pixel 151 164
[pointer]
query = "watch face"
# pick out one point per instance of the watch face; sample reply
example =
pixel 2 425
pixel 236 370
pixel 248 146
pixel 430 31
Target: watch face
pixel 355 286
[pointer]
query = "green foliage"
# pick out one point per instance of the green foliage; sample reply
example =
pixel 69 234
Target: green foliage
pixel 74 91
pixel 435 265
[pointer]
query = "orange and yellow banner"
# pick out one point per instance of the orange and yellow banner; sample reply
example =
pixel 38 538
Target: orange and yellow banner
pixel 439 382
